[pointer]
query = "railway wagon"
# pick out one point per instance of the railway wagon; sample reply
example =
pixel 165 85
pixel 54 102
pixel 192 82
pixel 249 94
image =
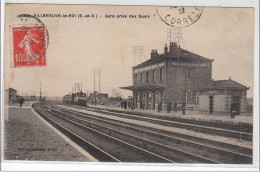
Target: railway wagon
pixel 79 98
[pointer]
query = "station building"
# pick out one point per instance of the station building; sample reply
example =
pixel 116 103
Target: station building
pixel 178 76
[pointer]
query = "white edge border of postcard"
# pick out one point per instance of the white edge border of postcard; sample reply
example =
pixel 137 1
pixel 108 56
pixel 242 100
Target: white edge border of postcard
pixel 76 166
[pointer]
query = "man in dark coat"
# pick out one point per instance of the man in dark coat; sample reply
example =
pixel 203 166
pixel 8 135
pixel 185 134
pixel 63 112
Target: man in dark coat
pixel 159 106
pixel 232 110
pixel 129 104
pixel 21 100
pixel 183 106
pixel 125 104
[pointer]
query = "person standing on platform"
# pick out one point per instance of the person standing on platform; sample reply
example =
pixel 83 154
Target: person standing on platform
pixel 232 111
pixel 143 106
pixel 183 106
pixel 21 100
pixel 159 107
pixel 129 104
pixel 125 104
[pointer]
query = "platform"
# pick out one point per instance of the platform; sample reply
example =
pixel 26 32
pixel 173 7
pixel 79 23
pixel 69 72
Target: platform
pixel 29 137
pixel 225 119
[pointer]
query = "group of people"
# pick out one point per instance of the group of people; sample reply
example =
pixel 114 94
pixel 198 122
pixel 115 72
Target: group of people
pixel 169 106
pixel 127 104
pixel 123 104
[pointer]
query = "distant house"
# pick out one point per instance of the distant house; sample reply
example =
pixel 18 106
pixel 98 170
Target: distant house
pixel 179 76
pixel 11 93
pixel 99 98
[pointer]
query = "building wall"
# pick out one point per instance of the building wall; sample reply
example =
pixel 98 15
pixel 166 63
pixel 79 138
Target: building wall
pixel 219 103
pixel 150 69
pixel 204 103
pixel 243 103
pixel 222 100
pixel 184 79
pixel 190 76
pixel 12 93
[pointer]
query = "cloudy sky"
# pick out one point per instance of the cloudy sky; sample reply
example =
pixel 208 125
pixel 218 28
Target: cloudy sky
pixel 77 46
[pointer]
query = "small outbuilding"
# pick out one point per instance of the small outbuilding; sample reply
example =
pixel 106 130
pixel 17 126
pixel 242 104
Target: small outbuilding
pixel 222 96
pixel 11 93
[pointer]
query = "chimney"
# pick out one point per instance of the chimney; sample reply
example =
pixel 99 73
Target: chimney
pixel 154 53
pixel 171 46
pixel 165 49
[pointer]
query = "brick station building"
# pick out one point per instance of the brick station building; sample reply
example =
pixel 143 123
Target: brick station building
pixel 178 76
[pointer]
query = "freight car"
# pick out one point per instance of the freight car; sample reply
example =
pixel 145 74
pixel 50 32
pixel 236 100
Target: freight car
pixel 79 98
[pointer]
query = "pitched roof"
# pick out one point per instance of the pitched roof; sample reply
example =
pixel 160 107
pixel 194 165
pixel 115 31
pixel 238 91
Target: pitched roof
pixel 10 89
pixel 223 84
pixel 184 56
pixel 151 61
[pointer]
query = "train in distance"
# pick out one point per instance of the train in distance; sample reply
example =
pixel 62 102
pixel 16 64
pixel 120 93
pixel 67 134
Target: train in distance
pixel 78 98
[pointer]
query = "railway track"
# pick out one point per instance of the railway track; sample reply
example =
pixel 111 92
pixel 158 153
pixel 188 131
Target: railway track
pixel 202 128
pixel 242 127
pixel 175 147
pixel 102 146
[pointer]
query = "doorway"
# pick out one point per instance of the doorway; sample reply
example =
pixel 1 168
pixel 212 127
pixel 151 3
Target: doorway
pixel 153 97
pixel 236 104
pixel 141 100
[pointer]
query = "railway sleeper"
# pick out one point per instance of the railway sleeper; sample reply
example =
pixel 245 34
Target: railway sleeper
pixel 174 154
pixel 194 127
pixel 241 149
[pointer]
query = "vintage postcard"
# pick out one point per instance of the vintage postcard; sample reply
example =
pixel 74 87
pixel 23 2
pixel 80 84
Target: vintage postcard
pixel 159 85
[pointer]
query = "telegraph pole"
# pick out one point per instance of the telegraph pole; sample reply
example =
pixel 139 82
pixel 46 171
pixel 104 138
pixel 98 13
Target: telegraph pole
pixel 81 87
pixel 40 91
pixel 94 81
pixel 99 82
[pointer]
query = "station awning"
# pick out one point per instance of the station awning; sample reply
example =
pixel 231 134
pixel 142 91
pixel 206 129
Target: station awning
pixel 143 87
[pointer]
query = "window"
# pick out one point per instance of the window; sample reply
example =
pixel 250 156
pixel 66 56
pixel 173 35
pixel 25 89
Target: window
pixel 156 97
pixel 150 97
pixel 183 96
pixel 147 77
pixel 161 74
pixel 161 96
pixel 141 78
pixel 188 97
pixel 188 72
pixel 135 78
pixel 153 75
pixel 193 96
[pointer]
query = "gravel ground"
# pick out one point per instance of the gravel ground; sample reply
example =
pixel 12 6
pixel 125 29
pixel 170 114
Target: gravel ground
pixel 28 137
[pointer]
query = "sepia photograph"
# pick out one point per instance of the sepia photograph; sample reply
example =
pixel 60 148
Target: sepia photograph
pixel 129 84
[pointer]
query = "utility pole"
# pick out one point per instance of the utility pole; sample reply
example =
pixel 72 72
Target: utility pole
pixel 81 87
pixel 94 93
pixel 99 83
pixel 94 81
pixel 40 91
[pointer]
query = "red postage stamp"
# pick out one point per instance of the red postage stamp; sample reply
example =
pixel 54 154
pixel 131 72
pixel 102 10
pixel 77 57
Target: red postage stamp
pixel 29 47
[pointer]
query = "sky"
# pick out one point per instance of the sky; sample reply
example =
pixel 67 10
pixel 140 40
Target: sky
pixel 78 46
